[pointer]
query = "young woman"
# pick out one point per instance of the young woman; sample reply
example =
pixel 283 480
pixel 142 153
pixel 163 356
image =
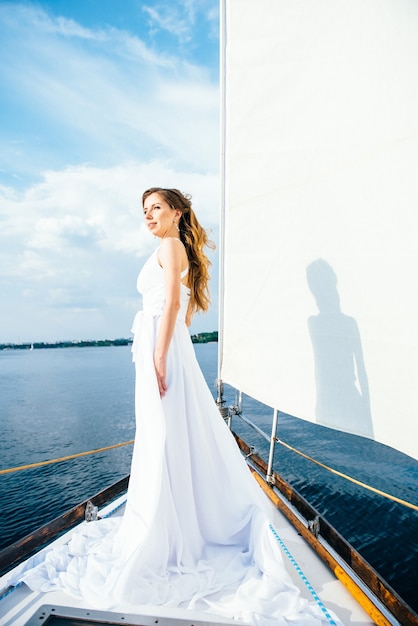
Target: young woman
pixel 195 533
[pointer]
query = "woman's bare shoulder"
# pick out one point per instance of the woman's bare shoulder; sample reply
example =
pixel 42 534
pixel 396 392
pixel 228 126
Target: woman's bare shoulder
pixel 171 241
pixel 171 251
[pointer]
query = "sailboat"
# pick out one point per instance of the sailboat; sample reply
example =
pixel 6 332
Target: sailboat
pixel 318 309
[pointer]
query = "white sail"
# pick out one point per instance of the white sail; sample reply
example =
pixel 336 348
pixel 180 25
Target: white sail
pixel 320 305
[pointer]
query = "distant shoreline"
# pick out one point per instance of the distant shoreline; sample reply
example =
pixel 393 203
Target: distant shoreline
pixel 101 343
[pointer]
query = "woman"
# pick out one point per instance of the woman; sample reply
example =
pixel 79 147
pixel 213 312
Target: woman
pixel 194 532
pixel 169 216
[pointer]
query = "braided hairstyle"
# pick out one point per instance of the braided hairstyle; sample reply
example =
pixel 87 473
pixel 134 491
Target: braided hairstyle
pixel 194 238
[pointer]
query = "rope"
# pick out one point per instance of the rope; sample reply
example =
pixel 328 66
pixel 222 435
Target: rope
pixel 63 458
pixel 283 443
pixel 349 478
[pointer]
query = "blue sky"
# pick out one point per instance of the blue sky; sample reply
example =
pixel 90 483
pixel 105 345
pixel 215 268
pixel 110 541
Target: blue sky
pixel 100 99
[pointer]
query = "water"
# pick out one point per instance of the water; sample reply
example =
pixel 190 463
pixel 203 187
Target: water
pixel 58 402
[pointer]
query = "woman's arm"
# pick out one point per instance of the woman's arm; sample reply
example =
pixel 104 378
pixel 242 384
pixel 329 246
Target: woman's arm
pixel 171 257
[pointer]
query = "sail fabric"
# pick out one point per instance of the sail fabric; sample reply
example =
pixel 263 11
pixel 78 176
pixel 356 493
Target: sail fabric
pixel 320 311
pixel 195 533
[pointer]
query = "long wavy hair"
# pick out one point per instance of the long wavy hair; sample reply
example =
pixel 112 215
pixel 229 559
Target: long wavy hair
pixel 194 238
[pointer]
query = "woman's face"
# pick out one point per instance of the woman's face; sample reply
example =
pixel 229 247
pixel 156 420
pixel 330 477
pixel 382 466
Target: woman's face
pixel 160 217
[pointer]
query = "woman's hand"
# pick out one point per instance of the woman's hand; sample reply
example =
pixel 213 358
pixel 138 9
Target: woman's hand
pixel 160 371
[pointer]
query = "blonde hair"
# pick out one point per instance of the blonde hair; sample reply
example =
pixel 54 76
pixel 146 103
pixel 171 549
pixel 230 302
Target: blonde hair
pixel 194 238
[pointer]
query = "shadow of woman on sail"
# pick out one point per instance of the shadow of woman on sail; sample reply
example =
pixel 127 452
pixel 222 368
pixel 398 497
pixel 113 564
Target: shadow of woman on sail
pixel 342 389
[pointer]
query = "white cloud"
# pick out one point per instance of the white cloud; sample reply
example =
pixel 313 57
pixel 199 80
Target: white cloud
pixel 76 240
pixel 212 17
pixel 167 18
pixel 106 95
pixel 61 26
pixel 181 19
pixel 91 117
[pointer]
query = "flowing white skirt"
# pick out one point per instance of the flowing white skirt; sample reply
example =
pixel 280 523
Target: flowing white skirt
pixel 195 533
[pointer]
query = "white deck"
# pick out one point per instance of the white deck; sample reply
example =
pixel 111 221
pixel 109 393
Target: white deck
pixel 331 591
pixel 21 604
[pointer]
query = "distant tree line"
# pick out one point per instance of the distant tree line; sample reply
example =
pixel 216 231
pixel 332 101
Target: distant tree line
pixel 39 345
pixel 76 343
pixel 205 337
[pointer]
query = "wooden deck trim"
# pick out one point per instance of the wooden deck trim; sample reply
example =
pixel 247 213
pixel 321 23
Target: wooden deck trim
pixel 377 585
pixel 21 550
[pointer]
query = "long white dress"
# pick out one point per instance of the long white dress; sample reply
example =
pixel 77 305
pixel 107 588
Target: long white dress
pixel 195 532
